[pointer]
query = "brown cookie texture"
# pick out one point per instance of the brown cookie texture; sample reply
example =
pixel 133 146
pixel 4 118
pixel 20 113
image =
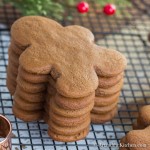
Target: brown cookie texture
pixel 106 100
pixel 105 82
pixel 30 97
pixel 25 105
pixel 138 137
pixel 104 109
pixel 72 103
pixel 12 67
pixel 112 63
pixel 102 118
pixel 11 86
pixel 87 57
pixel 14 58
pixel 110 91
pixel 70 113
pixel 11 77
pixel 11 80
pixel 33 78
pixel 11 83
pixel 51 90
pixel 143 119
pixel 68 122
pixel 27 116
pixel 68 138
pixel 18 50
pixel 72 130
pixel 30 87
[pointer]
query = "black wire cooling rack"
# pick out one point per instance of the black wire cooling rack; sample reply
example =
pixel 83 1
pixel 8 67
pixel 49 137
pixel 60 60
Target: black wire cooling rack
pixel 126 32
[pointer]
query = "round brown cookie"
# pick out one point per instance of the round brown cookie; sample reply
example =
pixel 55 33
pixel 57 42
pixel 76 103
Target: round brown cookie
pixel 51 90
pixel 102 118
pixel 112 62
pixel 110 91
pixel 30 87
pixel 105 109
pixel 106 100
pixel 25 105
pixel 69 113
pixel 32 78
pixel 67 122
pixel 109 82
pixel 74 103
pixel 68 138
pixel 68 130
pixel 27 116
pixel 30 97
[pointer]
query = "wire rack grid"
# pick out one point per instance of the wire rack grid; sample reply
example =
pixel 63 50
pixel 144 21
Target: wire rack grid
pixel 126 33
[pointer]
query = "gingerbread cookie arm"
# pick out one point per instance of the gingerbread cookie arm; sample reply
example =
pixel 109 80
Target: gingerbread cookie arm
pixel 109 62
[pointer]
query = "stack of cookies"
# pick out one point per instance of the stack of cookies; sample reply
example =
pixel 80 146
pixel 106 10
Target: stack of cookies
pixel 108 91
pixel 70 117
pixel 57 75
pixel 29 95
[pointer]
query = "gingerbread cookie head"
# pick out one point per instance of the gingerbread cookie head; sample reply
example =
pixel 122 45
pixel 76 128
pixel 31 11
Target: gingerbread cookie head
pixel 67 53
